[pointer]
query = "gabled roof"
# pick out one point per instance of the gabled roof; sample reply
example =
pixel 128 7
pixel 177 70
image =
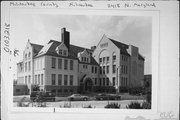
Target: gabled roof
pixel 36 47
pixel 72 54
pixel 140 57
pixel 123 47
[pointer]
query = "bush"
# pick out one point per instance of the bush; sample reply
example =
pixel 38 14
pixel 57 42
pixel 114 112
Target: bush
pixel 134 105
pixel 148 97
pixel 146 105
pixel 135 91
pixel 36 88
pixel 22 104
pixel 113 105
pixel 137 105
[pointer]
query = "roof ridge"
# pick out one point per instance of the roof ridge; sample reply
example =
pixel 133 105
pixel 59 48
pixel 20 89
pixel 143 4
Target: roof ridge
pixel 117 41
pixel 35 44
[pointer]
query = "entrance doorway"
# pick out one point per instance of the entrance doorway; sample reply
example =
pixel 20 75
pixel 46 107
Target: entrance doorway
pixel 88 85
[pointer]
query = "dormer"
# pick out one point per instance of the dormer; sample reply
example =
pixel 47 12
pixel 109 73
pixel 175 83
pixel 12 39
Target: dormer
pixel 62 50
pixel 84 56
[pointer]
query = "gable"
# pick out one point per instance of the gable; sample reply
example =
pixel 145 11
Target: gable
pixel 62 46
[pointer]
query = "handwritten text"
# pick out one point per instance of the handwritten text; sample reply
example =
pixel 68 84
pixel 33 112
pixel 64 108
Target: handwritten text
pixel 28 3
pixel 76 4
pixel 6 37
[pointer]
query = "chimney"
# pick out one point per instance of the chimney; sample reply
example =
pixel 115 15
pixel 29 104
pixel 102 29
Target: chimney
pixel 65 37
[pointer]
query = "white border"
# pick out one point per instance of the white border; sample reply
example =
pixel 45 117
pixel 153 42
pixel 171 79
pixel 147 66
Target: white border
pixel 156 74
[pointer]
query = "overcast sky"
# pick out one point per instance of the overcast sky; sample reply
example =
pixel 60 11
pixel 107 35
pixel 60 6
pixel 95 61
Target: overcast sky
pixel 85 31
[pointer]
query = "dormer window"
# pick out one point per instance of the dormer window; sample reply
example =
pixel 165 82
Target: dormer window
pixel 65 53
pixel 84 56
pixel 60 52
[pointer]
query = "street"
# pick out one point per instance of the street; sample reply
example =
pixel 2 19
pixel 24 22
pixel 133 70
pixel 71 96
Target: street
pixel 62 102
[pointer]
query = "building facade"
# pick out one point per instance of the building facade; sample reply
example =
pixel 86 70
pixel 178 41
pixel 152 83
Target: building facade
pixel 63 68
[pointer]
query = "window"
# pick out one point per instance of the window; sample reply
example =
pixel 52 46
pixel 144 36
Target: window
pixel 53 63
pixel 65 79
pixel 114 69
pixel 71 79
pixel 122 81
pixel 53 78
pixel 100 60
pixel 126 81
pixel 71 64
pixel 92 69
pixel 39 79
pixel 100 71
pixel 65 64
pixel 59 91
pixel 25 56
pixel 95 81
pixel 65 53
pixel 100 81
pixel 104 81
pixel 71 90
pixel 126 69
pixel 25 79
pixel 85 66
pixel 53 91
pixel 25 66
pixel 114 58
pixel 107 59
pixel 65 90
pixel 95 69
pixel 103 69
pixel 60 52
pixel 29 65
pixel 82 59
pixel 29 79
pixel 42 79
pixel 59 79
pixel 114 81
pixel 122 68
pixel 35 79
pixel 134 68
pixel 59 63
pixel 104 59
pixel 87 59
pixel 107 69
pixel 29 55
pixel 107 81
pixel 17 90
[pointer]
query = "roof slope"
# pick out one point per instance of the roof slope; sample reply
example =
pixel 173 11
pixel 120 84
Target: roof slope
pixel 36 48
pixel 123 47
pixel 72 54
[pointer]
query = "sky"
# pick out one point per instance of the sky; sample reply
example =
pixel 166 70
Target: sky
pixel 85 31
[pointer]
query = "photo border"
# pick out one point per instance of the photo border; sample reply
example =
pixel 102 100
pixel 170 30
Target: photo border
pixel 155 14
